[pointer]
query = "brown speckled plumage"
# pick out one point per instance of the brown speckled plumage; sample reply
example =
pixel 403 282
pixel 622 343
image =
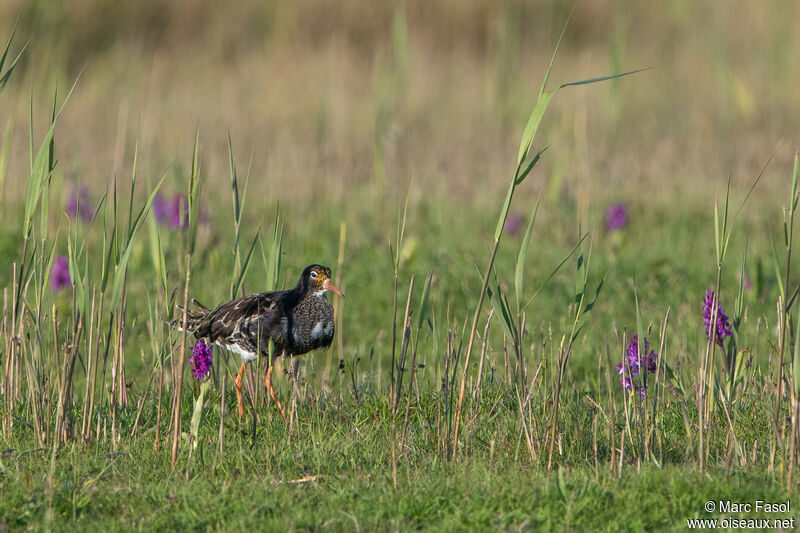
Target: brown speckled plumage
pixel 297 321
pixel 287 318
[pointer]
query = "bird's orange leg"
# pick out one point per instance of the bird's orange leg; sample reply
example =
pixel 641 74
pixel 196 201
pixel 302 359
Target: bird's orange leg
pixel 268 384
pixel 238 384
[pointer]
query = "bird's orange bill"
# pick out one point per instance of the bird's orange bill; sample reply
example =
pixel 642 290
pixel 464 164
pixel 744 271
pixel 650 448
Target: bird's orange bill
pixel 329 286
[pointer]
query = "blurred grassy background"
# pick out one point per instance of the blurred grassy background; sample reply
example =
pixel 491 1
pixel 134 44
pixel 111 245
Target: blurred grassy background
pixel 313 89
pixel 337 106
pixel 334 108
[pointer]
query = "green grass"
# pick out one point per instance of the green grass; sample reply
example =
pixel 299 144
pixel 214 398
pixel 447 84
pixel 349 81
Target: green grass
pixel 336 472
pixel 347 443
pixel 389 170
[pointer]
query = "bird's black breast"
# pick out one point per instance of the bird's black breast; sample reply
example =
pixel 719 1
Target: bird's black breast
pixel 311 325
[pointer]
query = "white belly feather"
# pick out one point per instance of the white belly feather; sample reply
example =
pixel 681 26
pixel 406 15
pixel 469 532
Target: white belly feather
pixel 321 329
pixel 235 348
pixel 316 333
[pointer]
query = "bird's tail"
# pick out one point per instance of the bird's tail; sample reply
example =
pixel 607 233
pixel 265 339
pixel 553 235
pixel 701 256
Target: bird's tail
pixel 193 318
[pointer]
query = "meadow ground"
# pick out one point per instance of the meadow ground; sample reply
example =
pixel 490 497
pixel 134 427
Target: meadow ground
pixel 381 140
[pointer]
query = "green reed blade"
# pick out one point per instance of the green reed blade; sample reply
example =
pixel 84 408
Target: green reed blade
pixel 75 276
pixel 500 303
pixel 553 273
pixel 776 264
pixel 44 211
pixel 423 303
pixel 194 194
pixel 532 125
pixel 602 78
pixel 121 267
pixel 4 77
pixel 740 296
pixel 796 361
pixel 245 264
pixel 157 256
pixel 588 307
pixel 41 163
pixel 133 188
pixel 519 271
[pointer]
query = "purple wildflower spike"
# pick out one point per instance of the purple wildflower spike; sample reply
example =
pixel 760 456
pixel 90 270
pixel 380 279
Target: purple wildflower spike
pixel 200 360
pixel 59 273
pixel 175 211
pixel 513 223
pixel 722 327
pixel 80 205
pixel 616 217
pixel 177 207
pixel 636 363
pixel 160 208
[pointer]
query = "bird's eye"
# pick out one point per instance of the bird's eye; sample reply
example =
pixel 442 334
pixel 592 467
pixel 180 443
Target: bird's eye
pixel 313 274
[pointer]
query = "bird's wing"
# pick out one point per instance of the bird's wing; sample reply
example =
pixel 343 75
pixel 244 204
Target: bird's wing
pixel 233 318
pixel 271 325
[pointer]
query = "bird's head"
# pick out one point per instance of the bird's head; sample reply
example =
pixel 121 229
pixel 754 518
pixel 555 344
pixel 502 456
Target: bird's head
pixel 318 279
